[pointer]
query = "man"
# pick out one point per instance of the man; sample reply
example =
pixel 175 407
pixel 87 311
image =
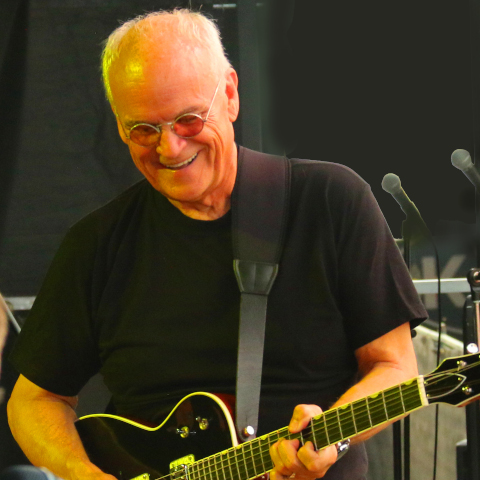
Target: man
pixel 143 290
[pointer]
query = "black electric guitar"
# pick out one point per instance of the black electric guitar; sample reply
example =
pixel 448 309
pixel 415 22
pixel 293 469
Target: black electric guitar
pixel 197 441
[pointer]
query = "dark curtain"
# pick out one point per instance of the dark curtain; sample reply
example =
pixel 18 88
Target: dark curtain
pixel 13 55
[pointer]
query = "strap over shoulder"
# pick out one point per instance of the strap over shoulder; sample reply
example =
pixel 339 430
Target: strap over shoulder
pixel 260 203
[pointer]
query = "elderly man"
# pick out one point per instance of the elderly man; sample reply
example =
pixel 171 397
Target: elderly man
pixel 143 289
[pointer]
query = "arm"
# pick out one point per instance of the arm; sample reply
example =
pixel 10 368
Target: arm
pixel 43 425
pixel 382 363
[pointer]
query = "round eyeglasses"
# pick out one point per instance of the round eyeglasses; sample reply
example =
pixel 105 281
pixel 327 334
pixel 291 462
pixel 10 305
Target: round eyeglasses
pixel 186 125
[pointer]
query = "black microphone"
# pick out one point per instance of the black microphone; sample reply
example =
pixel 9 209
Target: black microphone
pixel 392 185
pixel 27 472
pixel 461 159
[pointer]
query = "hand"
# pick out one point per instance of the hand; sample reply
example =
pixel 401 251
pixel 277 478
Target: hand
pixel 304 463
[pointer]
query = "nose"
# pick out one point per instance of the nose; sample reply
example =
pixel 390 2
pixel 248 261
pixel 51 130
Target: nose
pixel 170 145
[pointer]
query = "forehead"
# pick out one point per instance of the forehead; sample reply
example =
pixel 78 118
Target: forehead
pixel 150 79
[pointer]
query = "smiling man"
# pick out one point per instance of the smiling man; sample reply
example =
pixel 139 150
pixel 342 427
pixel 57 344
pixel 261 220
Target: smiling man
pixel 143 289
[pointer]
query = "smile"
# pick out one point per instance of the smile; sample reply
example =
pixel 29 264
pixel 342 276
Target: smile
pixel 181 165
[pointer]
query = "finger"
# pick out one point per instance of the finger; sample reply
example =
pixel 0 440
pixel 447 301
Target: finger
pixel 284 456
pixel 317 462
pixel 302 416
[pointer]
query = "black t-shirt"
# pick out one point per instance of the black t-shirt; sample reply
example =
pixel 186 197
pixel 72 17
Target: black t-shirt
pixel 148 297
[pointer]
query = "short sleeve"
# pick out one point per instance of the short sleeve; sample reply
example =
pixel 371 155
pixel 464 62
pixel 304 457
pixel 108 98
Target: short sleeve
pixel 56 348
pixel 376 290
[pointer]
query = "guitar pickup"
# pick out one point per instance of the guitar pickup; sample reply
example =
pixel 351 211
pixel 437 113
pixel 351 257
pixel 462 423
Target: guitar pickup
pixel 179 467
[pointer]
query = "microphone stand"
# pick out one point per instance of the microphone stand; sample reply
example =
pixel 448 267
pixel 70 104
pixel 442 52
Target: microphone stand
pixel 413 230
pixel 408 229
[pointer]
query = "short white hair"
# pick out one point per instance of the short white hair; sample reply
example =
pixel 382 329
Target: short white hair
pixel 193 30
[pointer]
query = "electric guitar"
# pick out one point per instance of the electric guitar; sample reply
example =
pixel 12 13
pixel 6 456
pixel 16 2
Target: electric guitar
pixel 198 441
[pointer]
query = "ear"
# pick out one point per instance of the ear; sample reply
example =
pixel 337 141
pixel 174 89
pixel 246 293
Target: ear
pixel 231 90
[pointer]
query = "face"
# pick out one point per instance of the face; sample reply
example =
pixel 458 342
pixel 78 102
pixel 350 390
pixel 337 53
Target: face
pixel 195 174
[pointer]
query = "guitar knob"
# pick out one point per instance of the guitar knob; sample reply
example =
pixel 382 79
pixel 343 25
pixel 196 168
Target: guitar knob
pixel 202 423
pixel 184 432
pixel 467 390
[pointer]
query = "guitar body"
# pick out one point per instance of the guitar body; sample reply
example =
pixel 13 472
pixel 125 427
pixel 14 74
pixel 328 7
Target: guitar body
pixel 200 425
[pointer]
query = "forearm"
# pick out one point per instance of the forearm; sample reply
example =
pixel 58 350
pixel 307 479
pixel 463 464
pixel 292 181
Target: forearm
pixel 44 428
pixel 380 371
pixel 380 378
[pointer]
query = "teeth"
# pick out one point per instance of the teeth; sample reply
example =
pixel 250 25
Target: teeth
pixel 179 165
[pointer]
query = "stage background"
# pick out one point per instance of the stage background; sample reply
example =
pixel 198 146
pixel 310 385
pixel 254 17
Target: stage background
pixel 379 87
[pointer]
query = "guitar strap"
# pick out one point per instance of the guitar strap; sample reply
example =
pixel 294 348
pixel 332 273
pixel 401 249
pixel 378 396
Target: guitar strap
pixel 259 214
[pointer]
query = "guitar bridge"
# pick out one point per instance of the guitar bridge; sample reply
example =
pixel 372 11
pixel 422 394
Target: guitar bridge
pixel 179 467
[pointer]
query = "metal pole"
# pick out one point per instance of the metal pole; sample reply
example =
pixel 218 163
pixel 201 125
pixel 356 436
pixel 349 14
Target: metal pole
pixel 249 85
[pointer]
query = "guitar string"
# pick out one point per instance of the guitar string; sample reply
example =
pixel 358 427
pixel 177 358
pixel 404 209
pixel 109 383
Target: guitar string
pixel 258 449
pixel 225 462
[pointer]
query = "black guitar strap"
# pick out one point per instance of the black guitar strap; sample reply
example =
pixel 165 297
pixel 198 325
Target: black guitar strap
pixel 259 214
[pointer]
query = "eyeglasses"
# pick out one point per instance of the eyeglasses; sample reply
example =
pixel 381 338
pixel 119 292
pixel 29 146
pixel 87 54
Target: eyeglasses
pixel 185 126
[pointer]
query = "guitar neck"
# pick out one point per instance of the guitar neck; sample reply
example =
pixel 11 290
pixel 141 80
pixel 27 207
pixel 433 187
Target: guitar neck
pixel 252 459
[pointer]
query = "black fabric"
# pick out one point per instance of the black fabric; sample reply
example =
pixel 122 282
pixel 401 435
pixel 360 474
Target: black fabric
pixel 148 296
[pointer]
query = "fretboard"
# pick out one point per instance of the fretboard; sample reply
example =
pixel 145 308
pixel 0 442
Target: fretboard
pixel 252 459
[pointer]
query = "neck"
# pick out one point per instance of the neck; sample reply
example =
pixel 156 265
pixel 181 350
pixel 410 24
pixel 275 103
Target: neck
pixel 202 211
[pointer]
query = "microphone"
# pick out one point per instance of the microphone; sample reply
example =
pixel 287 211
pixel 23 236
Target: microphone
pixel 392 185
pixel 461 159
pixel 27 472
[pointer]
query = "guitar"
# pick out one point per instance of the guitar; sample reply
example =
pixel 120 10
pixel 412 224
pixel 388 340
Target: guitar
pixel 197 441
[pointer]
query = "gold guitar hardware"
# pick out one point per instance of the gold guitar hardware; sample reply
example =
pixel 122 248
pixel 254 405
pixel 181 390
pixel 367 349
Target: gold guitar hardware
pixel 184 432
pixel 202 423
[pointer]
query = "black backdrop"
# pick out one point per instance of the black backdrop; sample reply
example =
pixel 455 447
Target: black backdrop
pixel 378 86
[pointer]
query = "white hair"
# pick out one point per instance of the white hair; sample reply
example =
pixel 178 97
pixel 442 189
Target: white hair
pixel 193 30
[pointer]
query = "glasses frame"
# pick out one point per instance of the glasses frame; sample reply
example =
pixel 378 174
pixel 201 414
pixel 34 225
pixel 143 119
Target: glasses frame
pixel 158 128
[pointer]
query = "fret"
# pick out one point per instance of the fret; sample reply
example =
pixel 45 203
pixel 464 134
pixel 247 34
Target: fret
pixel 368 412
pixel 264 449
pixel 229 454
pixel 347 421
pixel 401 398
pixel 377 409
pixel 339 423
pixel 240 464
pixel 325 429
pixel 220 465
pixel 209 465
pixel 361 415
pixel 237 465
pixel 353 416
pixel 252 456
pixel 333 426
pixel 393 402
pixel 195 471
pixel 314 433
pixel 248 472
pixel 302 441
pixel 412 396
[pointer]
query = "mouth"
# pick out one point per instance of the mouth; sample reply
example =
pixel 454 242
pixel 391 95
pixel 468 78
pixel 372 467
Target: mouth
pixel 181 165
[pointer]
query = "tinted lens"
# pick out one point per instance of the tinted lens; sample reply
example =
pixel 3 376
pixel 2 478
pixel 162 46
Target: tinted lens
pixel 144 135
pixel 188 125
